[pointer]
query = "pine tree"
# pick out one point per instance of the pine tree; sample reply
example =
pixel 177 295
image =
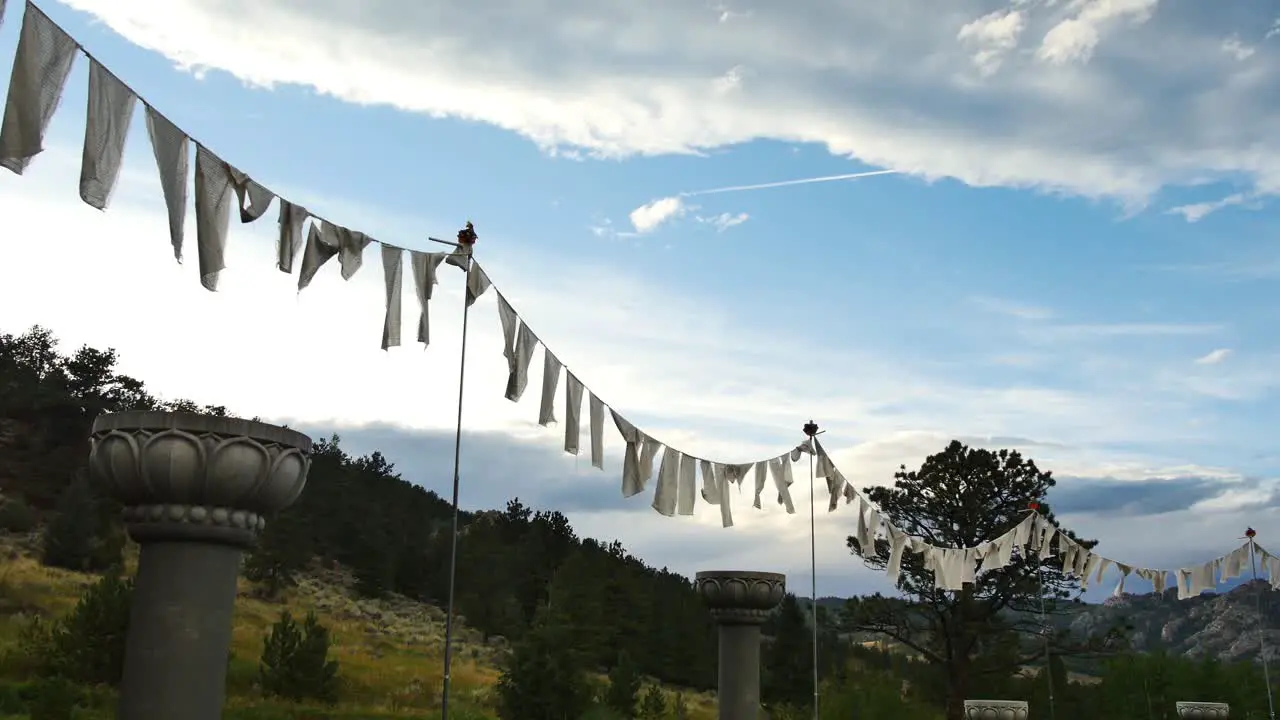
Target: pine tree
pixel 82 536
pixel 295 661
pixel 624 687
pixel 283 550
pixel 543 680
pixel 962 497
pixel 87 646
pixel 653 705
pixel 787 673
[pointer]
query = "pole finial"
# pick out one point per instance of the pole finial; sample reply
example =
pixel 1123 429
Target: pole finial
pixel 467 235
pixel 810 428
pixel 1250 532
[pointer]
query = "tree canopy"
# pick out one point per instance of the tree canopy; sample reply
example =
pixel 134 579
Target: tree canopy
pixel 963 497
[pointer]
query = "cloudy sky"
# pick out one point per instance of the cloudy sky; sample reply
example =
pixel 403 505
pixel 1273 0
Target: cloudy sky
pixel 1075 255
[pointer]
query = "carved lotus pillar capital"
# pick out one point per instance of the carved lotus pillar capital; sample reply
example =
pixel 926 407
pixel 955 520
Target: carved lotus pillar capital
pixel 996 710
pixel 737 597
pixel 184 476
pixel 1203 710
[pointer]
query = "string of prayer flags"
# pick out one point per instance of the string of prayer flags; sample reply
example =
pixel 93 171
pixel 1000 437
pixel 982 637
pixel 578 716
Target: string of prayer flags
pixel 43 60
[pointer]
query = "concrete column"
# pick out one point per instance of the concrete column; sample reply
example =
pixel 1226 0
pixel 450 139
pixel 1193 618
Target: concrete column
pixel 1203 710
pixel 996 710
pixel 739 602
pixel 195 489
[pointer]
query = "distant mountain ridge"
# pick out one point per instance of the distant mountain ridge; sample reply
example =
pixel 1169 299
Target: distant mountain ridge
pixel 1221 625
pixel 1230 626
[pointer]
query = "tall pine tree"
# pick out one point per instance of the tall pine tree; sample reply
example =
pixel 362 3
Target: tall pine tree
pixel 963 497
pixel 787 672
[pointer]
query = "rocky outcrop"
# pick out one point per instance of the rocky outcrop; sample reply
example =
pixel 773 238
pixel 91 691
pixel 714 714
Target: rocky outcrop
pixel 1225 626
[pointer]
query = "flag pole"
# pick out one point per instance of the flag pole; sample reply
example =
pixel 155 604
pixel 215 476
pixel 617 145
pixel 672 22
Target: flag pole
pixel 1262 628
pixel 811 431
pixel 465 245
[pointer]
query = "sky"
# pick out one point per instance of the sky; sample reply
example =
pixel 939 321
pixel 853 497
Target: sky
pixel 1059 236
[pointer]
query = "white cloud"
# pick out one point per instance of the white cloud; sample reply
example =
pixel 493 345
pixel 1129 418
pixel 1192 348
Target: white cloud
pixel 725 220
pixel 649 216
pixel 1195 212
pixel 1274 31
pixel 1012 309
pixel 1214 357
pixel 1236 49
pixel 1075 38
pixel 731 80
pixel 991 37
pixel 617 78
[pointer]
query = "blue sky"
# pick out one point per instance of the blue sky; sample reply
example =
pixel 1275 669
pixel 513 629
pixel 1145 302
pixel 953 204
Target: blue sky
pixel 1077 257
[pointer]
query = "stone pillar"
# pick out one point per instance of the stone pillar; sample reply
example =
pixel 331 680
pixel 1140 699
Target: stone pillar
pixel 195 489
pixel 1203 710
pixel 739 602
pixel 996 710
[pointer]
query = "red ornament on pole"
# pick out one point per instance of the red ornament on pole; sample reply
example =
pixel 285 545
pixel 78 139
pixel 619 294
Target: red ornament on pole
pixel 1033 505
pixel 1249 533
pixel 467 235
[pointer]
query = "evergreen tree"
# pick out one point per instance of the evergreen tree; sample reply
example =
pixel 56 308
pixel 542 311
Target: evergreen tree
pixel 624 687
pixel 959 498
pixel 82 536
pixel 17 516
pixel 283 549
pixel 787 672
pixel 375 567
pixel 295 661
pixel 653 704
pixel 87 646
pixel 542 680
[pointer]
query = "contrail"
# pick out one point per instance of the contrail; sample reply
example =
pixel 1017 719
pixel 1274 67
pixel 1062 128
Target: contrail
pixel 784 183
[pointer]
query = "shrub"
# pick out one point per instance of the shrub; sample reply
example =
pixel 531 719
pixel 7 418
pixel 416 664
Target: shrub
pixel 653 705
pixel 83 535
pixel 53 698
pixel 295 661
pixel 680 708
pixel 87 646
pixel 543 680
pixel 16 516
pixel 624 688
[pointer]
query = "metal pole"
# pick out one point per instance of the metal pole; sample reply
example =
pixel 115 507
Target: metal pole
pixel 468 237
pixel 1044 629
pixel 811 430
pixel 1262 633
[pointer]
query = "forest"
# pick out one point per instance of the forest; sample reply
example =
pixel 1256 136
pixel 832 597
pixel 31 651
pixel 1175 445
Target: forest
pixel 592 630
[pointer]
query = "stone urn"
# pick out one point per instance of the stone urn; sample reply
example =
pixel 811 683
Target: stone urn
pixel 1203 710
pixel 195 490
pixel 739 602
pixel 996 710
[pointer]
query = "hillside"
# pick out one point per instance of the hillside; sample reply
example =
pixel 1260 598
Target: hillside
pixel 358 513
pixel 388 649
pixel 368 551
pixel 1224 626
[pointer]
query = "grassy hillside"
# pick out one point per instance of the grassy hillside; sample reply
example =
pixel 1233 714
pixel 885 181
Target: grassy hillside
pixel 390 651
